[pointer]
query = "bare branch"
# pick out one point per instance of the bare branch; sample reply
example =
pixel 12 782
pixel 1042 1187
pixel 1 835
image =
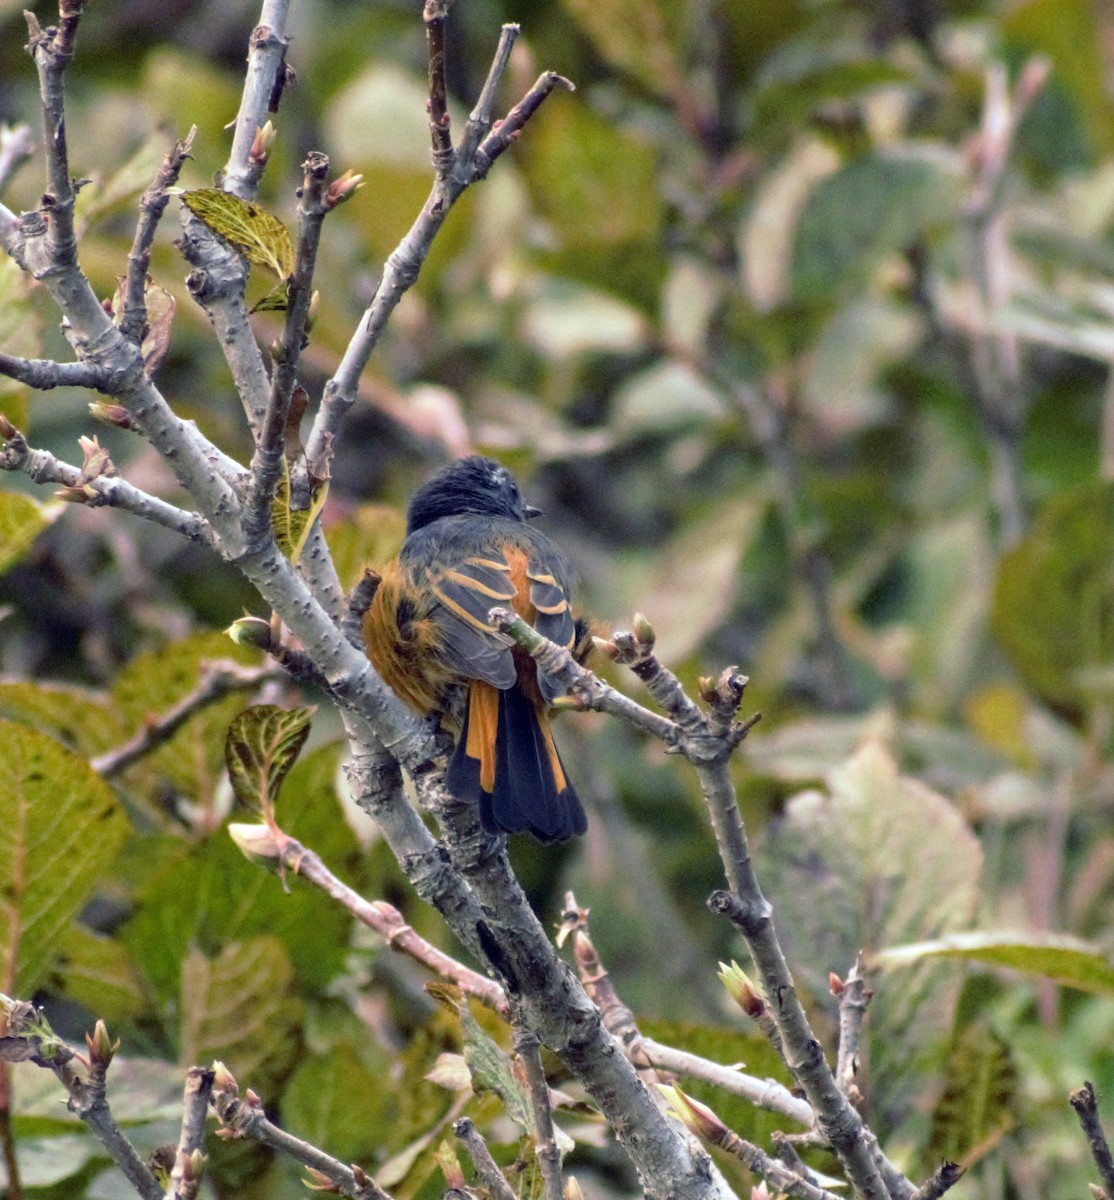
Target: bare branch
pixel 245 1118
pixel 110 490
pixel 387 921
pixel 435 15
pixel 185 1177
pixel 152 204
pixel 44 374
pixel 854 998
pixel 263 84
pixel 218 679
pixel 492 1178
pixel 509 128
pixel 942 1180
pixel 545 1144
pixel 1086 1109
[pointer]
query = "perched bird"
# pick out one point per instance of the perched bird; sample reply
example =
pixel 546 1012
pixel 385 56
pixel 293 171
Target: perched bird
pixel 469 549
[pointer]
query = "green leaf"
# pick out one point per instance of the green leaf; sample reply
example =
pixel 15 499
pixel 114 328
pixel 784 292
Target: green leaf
pixel 97 972
pixel 239 1007
pixel 192 762
pixel 876 205
pixel 261 237
pixel 263 743
pixel 1052 610
pixel 491 1070
pixel 62 827
pixel 876 859
pixel 1065 960
pixel 979 1101
pixel 208 895
pixel 21 521
pixel 324 1092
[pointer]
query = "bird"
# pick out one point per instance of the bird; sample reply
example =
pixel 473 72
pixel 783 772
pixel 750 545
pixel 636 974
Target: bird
pixel 468 549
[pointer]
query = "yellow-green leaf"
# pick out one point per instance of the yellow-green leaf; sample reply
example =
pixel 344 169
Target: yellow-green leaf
pixel 292 525
pixel 256 233
pixel 1064 960
pixel 21 521
pixel 61 826
pixel 262 745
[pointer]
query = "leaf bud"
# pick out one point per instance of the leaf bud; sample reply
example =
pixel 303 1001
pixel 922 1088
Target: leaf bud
pixel 741 989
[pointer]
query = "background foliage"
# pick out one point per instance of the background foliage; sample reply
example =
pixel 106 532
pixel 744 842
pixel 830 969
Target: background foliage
pixel 727 311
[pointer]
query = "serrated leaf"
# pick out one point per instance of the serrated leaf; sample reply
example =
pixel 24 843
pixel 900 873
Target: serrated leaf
pixel 1065 960
pixel 979 1100
pixel 161 307
pixel 1052 610
pixel 22 519
pixel 276 300
pixel 239 1007
pixel 262 745
pixel 874 206
pixel 876 859
pixel 62 826
pixel 257 234
pixel 80 718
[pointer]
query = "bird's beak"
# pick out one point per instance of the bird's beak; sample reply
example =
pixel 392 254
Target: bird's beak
pixel 531 512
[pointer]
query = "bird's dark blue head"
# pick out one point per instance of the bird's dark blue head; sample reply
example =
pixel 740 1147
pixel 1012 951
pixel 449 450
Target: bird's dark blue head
pixel 469 485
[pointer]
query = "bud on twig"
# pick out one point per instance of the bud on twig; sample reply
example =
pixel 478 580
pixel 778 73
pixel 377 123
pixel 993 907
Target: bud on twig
pixel 7 429
pixel 741 990
pixel 695 1117
pixel 320 1182
pixel 572 1189
pixel 344 187
pixel 606 648
pixel 262 144
pixel 224 1080
pixel 101 1047
pixel 643 630
pixel 251 631
pixel 111 414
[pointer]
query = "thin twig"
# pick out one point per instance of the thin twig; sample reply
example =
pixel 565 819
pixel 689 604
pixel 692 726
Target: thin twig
pixel 401 269
pixel 545 1144
pixel 266 463
pixel 854 998
pixel 435 15
pixel 943 1179
pixel 186 1175
pixel 152 204
pixel 245 1118
pixel 44 374
pixel 1086 1109
pixel 29 1038
pixel 486 1167
pixel 388 922
pixel 218 679
pixel 109 490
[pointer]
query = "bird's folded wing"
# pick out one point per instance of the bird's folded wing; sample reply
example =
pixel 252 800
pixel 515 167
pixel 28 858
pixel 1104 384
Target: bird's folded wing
pixel 466 592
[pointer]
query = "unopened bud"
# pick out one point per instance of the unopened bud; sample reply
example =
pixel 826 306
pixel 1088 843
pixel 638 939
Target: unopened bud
pixel 251 631
pixel 318 1181
pixel 695 1117
pixel 570 703
pixel 7 429
pixel 313 310
pixel 741 989
pixel 252 1099
pixel 101 1046
pixel 572 1189
pixel 643 630
pixel 835 984
pixel 224 1080
pixel 96 461
pixel 257 843
pixel 194 1166
pixel 344 187
pixel 262 144
pixel 111 414
pixel 450 1166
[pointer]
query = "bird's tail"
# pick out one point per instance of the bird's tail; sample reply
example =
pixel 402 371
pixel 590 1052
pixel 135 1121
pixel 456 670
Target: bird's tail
pixel 506 762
